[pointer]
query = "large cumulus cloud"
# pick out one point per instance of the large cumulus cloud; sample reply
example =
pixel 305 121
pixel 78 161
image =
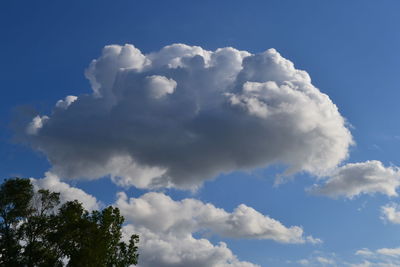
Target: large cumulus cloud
pixel 183 115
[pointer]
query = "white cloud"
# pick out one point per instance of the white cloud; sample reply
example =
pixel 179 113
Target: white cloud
pixel 325 261
pixel 67 192
pixel 394 252
pixel 391 213
pixel 166 238
pixel 354 179
pixel 365 252
pixel 166 229
pixel 168 250
pixel 363 264
pixel 383 257
pixel 160 214
pixel 35 125
pixel 304 262
pixel 182 115
pixel 65 103
pixel 319 259
pixel 158 86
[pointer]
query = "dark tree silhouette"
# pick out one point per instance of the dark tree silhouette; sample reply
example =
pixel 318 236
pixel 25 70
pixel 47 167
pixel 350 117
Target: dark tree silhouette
pixel 36 231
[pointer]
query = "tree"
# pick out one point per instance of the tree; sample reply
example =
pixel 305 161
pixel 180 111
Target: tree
pixel 15 196
pixel 93 239
pixel 36 231
pixel 36 228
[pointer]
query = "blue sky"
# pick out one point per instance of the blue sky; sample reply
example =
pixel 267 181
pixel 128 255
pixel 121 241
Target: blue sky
pixel 348 48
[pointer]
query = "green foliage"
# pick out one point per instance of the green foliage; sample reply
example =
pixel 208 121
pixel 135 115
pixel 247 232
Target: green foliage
pixel 36 228
pixel 15 196
pixel 36 231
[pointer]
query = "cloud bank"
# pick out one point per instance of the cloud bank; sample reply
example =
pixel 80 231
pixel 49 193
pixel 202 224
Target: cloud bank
pixel 182 115
pixel 383 257
pixel 167 227
pixel 354 179
pixel 158 213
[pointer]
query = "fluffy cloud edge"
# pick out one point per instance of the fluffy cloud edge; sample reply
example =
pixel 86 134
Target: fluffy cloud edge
pixel 159 213
pixel 211 95
pixel 391 213
pixel 382 257
pixel 167 227
pixel 67 192
pixel 354 179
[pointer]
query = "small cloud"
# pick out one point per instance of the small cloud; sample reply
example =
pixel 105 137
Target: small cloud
pixel 354 179
pixel 383 257
pixel 318 259
pixel 365 252
pixel 393 252
pixel 391 213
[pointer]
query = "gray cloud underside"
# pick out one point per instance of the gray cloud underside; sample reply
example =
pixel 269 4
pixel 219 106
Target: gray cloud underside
pixel 182 115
